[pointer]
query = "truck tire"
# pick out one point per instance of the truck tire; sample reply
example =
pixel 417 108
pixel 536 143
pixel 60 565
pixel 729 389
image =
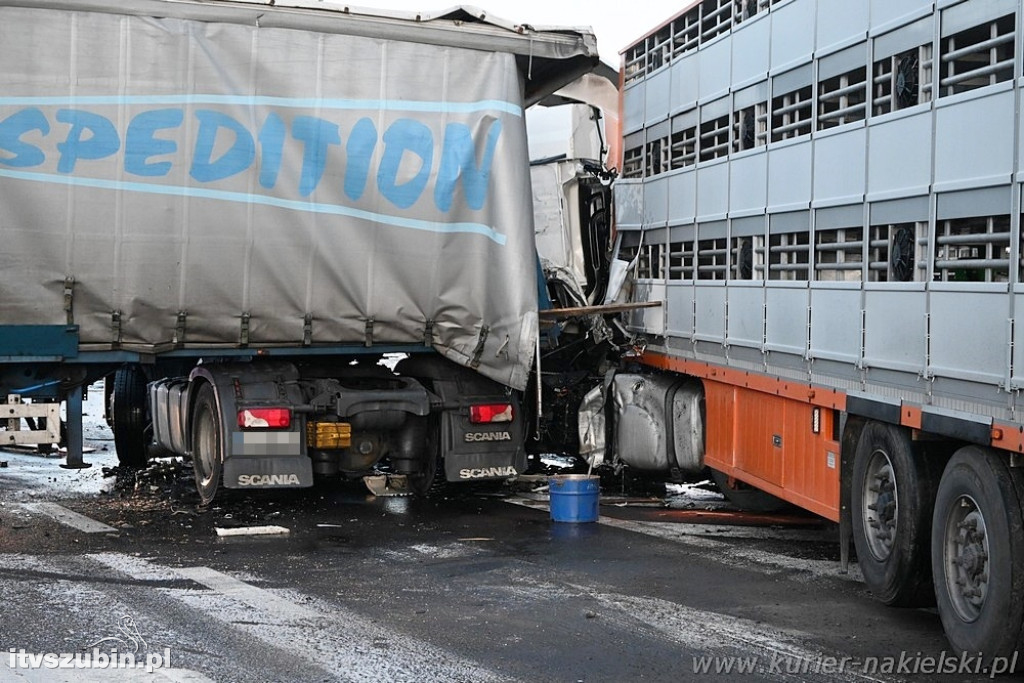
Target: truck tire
pixel 978 553
pixel 432 482
pixel 207 449
pixel 746 497
pixel 129 416
pixel 891 504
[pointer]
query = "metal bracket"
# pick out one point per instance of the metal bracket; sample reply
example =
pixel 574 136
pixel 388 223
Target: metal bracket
pixel 115 326
pixel 307 330
pixel 243 334
pixel 479 350
pixel 368 332
pixel 179 327
pixel 69 299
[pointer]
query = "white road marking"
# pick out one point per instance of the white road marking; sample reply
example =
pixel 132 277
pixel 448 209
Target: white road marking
pixel 325 634
pixel 69 518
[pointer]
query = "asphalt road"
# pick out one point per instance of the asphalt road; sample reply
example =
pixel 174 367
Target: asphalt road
pixel 477 588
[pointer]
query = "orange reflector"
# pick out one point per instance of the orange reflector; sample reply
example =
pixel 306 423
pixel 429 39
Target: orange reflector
pixel 265 418
pixel 328 435
pixel 490 412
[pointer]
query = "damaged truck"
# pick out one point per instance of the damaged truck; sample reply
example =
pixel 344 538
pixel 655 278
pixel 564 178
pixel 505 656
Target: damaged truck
pixel 236 211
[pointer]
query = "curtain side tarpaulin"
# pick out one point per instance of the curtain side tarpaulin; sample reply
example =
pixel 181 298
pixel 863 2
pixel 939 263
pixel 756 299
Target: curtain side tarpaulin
pixel 216 183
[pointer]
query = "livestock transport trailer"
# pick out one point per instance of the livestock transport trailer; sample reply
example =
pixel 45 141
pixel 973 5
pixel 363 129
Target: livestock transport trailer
pixel 826 197
pixel 234 209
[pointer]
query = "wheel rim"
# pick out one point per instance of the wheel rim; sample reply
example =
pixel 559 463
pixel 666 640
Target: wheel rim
pixel 966 554
pixel 881 505
pixel 206 451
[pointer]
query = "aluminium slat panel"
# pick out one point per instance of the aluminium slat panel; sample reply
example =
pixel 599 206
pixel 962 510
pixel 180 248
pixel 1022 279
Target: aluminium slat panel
pixel 709 304
pixel 885 12
pixel 839 163
pixel 974 140
pixel 841 22
pixel 713 190
pixel 657 90
pixel 745 324
pixel 1018 337
pixel 629 204
pixel 786 310
pixel 748 181
pixel 789 176
pixel 899 155
pixel 715 69
pixel 792 33
pixel 682 196
pixel 895 327
pixel 656 202
pixel 836 322
pixel 679 316
pixel 634 107
pixel 969 331
pixel 685 81
pixel 750 53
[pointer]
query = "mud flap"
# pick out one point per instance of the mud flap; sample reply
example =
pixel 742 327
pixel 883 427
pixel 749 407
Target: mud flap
pixel 468 467
pixel 267 472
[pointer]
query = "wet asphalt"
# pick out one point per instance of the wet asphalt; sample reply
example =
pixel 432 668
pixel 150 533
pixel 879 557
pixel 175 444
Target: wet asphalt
pixel 475 587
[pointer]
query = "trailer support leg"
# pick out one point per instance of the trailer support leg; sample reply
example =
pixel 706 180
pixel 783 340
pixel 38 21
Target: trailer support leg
pixel 75 438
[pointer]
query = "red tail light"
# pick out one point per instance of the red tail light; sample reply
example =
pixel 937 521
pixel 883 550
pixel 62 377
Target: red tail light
pixel 265 418
pixel 491 412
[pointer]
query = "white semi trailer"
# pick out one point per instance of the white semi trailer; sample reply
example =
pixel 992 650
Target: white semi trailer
pixel 826 197
pixel 234 209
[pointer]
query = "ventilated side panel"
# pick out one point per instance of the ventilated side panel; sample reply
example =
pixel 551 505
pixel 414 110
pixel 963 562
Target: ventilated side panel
pixel 792 33
pixel 633 107
pixel 841 22
pixel 886 11
pixel 751 54
pixel 629 204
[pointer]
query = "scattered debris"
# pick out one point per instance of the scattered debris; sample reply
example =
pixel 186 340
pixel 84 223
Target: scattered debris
pixel 267 530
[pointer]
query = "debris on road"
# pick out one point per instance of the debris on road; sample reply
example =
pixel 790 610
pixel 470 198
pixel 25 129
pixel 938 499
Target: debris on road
pixel 268 530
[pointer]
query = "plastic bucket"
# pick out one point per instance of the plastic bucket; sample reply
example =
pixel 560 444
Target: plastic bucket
pixel 574 497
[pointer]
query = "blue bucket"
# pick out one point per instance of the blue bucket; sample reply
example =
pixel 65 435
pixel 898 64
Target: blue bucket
pixel 574 497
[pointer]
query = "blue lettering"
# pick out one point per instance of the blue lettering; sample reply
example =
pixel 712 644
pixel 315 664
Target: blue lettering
pixel 317 135
pixel 458 159
pixel 140 145
pixel 103 139
pixel 361 143
pixel 235 160
pixel 405 135
pixel 271 144
pixel 11 130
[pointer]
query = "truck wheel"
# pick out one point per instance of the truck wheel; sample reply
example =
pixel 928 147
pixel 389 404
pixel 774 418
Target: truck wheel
pixel 129 416
pixel 978 553
pixel 744 496
pixel 207 450
pixel 891 497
